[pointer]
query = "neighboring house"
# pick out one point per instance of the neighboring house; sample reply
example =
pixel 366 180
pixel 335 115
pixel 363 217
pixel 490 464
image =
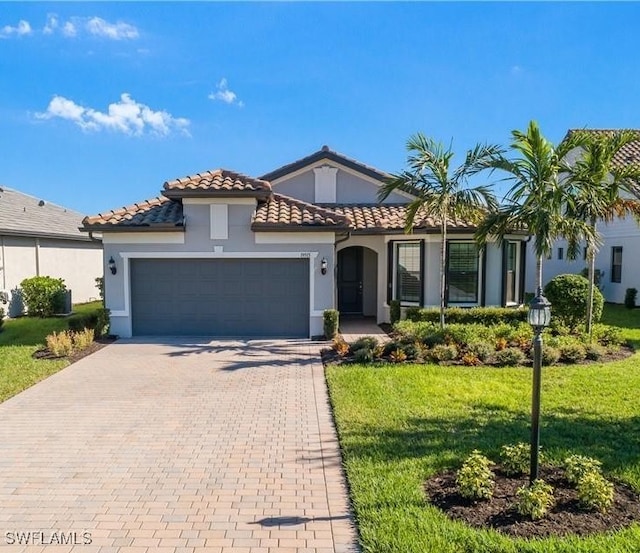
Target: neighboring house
pixel 38 238
pixel 617 260
pixel 221 253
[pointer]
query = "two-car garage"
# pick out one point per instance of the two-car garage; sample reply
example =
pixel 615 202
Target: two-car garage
pixel 252 297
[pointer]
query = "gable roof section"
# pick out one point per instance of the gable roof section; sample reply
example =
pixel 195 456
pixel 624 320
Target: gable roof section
pixel 326 153
pixel 24 215
pixel 218 183
pixel 284 213
pixel 157 215
pixel 627 155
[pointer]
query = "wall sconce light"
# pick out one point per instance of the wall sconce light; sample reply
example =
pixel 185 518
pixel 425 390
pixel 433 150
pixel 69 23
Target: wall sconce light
pixel 323 266
pixel 112 266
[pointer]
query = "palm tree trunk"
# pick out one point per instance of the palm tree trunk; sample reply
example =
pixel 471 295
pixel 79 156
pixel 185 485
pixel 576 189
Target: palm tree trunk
pixel 592 277
pixel 443 263
pixel 539 275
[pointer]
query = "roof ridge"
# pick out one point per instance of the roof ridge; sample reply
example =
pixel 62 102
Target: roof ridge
pixel 214 172
pixel 308 204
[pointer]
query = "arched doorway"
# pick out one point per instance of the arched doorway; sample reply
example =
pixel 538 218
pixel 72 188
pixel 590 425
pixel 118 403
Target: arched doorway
pixel 357 281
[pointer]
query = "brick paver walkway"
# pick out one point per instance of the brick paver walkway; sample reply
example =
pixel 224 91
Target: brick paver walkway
pixel 181 446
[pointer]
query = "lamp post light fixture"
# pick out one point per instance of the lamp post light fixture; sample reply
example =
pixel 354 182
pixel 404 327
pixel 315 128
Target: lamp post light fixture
pixel 323 266
pixel 539 317
pixel 112 266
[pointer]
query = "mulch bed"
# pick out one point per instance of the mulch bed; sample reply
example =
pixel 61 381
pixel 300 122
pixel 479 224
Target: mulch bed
pixel 44 353
pixel 499 513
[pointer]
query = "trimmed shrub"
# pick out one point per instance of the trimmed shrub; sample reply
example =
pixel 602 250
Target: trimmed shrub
pixel 364 342
pixel 44 296
pixel 550 355
pixel 607 335
pixel 409 330
pixel 630 298
pixel 330 319
pixel 573 353
pixel 1 317
pixel 595 352
pixel 510 357
pixel 363 355
pixel 515 458
pixel 577 466
pixel 595 492
pixel 60 343
pixel 443 353
pixel 97 320
pixel 481 350
pixel 475 315
pixel 394 311
pixel 535 500
pixel 475 478
pixel 569 295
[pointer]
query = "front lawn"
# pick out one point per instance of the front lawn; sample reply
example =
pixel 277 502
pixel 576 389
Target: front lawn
pixel 19 338
pixel 400 424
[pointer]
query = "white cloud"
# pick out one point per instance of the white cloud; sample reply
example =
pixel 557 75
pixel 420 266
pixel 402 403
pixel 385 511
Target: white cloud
pixel 69 29
pixel 115 31
pixel 51 25
pixel 224 94
pixel 516 70
pixel 126 116
pixel 23 28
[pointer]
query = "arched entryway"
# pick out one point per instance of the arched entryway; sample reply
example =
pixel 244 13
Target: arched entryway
pixel 357 281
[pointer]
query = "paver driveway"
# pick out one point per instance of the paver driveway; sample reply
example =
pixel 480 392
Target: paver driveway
pixel 176 446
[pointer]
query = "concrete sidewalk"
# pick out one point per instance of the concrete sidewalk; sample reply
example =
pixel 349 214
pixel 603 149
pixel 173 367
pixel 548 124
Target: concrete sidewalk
pixel 176 446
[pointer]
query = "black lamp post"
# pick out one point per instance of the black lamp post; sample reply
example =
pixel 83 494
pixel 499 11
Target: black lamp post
pixel 539 317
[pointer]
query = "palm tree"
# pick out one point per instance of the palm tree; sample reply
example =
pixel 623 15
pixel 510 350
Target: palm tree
pixel 602 189
pixel 536 199
pixel 441 191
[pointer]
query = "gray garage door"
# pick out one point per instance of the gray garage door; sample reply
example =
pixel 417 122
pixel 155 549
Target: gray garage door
pixel 220 297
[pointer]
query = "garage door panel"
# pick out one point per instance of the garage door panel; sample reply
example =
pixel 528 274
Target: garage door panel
pixel 220 297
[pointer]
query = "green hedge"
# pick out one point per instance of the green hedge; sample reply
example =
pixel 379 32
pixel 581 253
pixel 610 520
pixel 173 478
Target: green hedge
pixel 473 315
pixel 98 320
pixel 43 295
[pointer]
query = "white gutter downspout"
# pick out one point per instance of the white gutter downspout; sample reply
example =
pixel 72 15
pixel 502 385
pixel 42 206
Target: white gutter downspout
pixel 37 256
pixel 4 266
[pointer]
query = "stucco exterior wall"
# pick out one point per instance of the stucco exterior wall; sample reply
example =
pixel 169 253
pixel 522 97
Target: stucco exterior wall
pixel 77 262
pixel 349 188
pixel 241 242
pixel 620 233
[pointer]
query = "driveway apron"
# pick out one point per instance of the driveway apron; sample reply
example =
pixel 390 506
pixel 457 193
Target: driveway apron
pixel 176 445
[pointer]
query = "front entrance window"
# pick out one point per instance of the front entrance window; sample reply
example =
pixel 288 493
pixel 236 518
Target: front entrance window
pixel 408 277
pixel 463 272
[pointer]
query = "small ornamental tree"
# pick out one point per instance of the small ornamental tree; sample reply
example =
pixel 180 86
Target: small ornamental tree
pixel 43 295
pixel 569 295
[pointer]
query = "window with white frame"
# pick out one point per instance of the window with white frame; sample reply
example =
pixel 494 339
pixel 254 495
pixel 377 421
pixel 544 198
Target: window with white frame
pixel 408 272
pixel 463 273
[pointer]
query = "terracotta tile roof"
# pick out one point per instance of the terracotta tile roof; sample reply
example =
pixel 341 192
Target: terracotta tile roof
pixel 389 218
pixel 155 214
pixel 627 155
pixel 283 213
pixel 326 153
pixel 219 183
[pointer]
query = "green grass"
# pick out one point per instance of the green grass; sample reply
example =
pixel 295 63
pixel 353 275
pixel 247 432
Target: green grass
pixel 19 338
pixel 398 425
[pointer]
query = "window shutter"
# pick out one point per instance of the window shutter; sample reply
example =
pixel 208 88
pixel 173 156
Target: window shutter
pixel 389 272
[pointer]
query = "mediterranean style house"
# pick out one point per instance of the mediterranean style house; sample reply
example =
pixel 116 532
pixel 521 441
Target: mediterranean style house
pixel 38 238
pixel 618 258
pixel 223 254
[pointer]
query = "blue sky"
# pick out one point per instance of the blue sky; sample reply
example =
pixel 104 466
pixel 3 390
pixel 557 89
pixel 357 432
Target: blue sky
pixel 100 103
